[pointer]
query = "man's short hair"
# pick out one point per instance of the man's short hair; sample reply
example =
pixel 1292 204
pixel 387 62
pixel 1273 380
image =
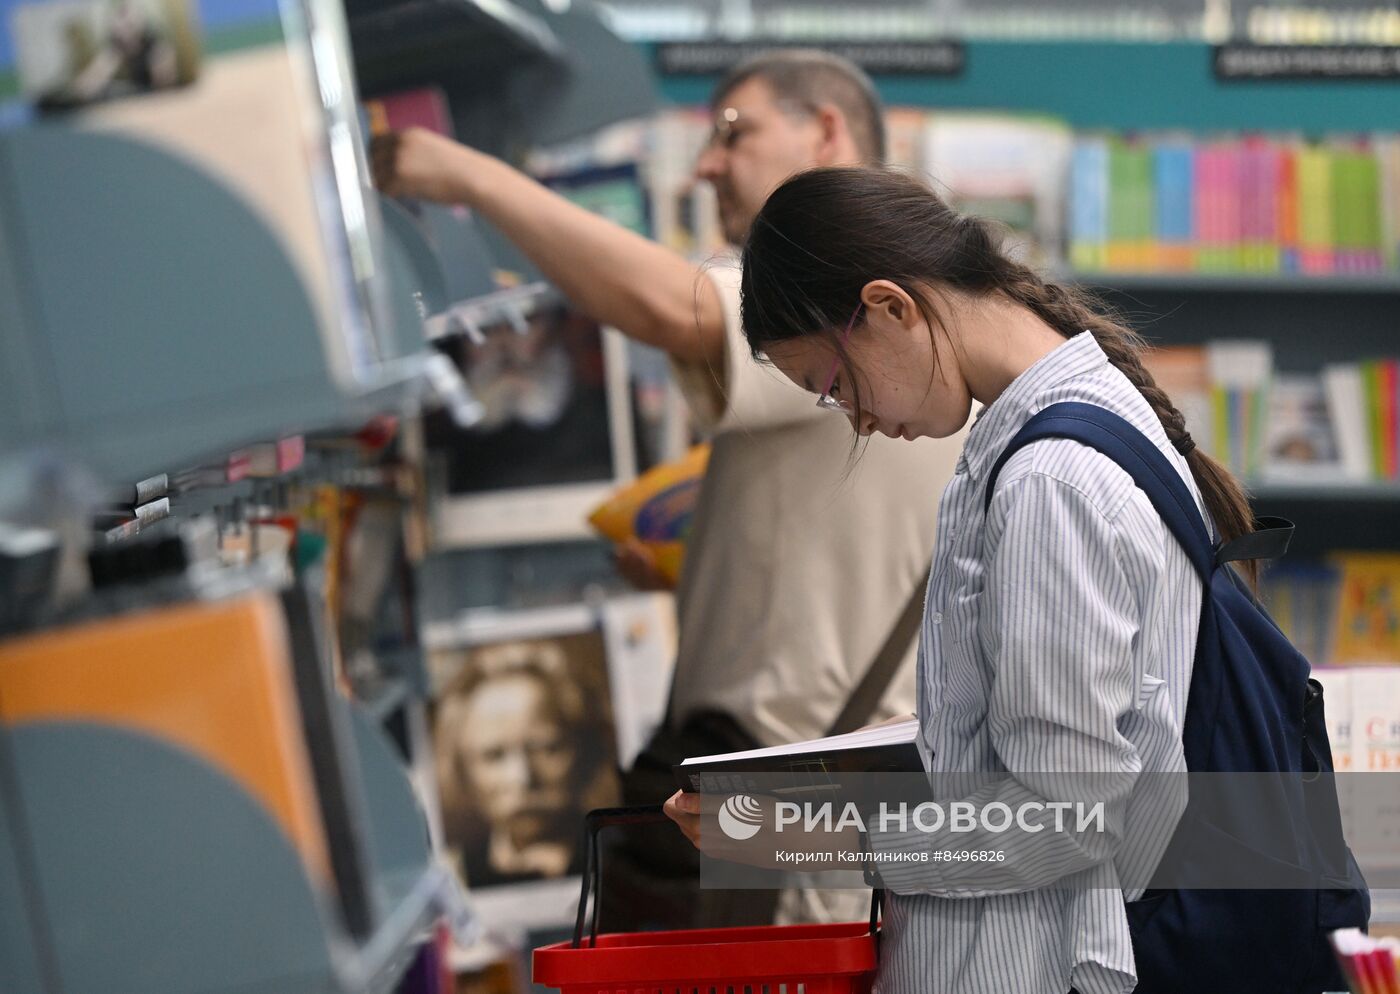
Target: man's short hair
pixel 811 76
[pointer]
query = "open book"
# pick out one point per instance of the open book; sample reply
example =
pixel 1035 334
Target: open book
pixel 887 748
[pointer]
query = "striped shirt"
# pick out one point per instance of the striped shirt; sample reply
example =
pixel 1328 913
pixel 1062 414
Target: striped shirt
pixel 1058 635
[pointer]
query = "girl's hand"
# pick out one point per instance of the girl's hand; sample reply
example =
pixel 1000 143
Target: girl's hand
pixel 684 810
pixel 689 812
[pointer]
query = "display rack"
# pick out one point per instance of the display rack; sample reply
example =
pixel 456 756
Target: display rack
pixel 190 300
pixel 561 71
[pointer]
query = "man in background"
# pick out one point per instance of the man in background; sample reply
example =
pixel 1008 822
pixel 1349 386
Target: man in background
pixel 799 561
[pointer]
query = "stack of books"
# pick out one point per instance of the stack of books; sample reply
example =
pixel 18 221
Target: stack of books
pixel 1241 204
pixel 1223 390
pixel 1337 426
pixel 1362 403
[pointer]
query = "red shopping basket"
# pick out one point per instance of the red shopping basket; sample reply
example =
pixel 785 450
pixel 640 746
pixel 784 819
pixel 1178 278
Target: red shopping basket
pixel 767 959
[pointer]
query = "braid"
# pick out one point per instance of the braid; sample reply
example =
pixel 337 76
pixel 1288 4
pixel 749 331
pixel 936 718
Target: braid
pixel 1070 310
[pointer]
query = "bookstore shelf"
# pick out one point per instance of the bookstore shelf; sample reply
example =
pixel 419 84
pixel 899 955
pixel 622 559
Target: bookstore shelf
pixel 1234 282
pixel 1360 490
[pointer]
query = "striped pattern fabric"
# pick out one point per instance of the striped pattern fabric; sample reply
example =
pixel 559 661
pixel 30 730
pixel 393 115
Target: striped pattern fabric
pixel 1058 636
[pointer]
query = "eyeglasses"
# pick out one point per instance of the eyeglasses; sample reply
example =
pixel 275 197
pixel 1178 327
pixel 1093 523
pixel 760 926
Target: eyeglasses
pixel 825 401
pixel 729 126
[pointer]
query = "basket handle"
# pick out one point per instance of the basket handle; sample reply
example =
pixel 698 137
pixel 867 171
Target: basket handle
pixel 638 814
pixel 593 823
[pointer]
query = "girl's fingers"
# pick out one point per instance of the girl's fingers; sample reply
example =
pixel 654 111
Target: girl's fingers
pixel 688 822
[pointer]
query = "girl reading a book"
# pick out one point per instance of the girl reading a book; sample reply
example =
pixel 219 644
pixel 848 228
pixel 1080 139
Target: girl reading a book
pixel 1060 625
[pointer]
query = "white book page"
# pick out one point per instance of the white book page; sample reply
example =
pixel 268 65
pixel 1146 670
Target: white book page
pixel 894 733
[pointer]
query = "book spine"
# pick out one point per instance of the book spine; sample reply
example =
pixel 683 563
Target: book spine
pixel 1144 212
pixel 1220 420
pixel 1315 210
pixel 1270 167
pixel 1346 408
pixel 1200 206
pixel 1213 253
pixel 1258 418
pixel 1130 206
pixel 1231 207
pixel 1118 255
pixel 1249 252
pixel 1174 207
pixel 1287 208
pixel 1219 210
pixel 1088 204
pixel 1370 235
pixel 1370 384
pixel 1345 210
pixel 1101 193
pixel 1386 387
pixel 1390 196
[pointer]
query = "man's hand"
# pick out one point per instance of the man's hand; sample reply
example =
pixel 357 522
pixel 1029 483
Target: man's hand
pixel 420 163
pixel 638 567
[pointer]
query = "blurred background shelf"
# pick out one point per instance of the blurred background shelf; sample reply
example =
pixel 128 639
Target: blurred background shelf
pixel 1242 283
pixel 407 42
pixel 1341 490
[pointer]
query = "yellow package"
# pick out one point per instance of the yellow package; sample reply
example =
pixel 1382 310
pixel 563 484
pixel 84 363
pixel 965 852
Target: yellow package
pixel 656 509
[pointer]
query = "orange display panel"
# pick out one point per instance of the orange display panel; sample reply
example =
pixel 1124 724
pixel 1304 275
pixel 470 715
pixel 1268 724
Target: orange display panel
pixel 210 678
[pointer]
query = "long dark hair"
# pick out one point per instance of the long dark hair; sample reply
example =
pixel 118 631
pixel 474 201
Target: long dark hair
pixel 824 234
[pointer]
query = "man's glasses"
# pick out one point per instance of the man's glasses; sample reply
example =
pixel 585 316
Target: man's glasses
pixel 825 400
pixel 731 122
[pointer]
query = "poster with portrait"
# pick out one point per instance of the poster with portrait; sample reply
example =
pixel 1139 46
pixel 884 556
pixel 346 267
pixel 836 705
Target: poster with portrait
pixel 524 746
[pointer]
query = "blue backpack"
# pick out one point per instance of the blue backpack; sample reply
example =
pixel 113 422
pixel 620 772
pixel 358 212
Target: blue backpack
pixel 1252 708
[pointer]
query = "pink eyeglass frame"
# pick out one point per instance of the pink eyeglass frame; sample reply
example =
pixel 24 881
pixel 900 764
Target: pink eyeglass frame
pixel 824 400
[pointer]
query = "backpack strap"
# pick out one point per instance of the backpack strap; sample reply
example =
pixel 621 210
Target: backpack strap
pixel 1111 435
pixel 1269 540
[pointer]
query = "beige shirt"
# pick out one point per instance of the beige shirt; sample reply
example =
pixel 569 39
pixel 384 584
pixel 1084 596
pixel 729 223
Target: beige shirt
pixel 800 558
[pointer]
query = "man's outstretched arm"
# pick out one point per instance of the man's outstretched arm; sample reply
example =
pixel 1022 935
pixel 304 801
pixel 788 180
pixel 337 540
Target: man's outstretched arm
pixel 614 275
